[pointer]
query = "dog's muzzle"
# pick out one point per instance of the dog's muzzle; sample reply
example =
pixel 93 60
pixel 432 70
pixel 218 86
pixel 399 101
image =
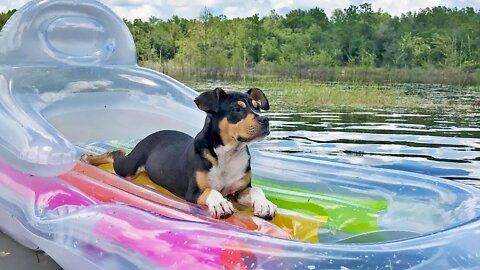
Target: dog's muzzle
pixel 265 126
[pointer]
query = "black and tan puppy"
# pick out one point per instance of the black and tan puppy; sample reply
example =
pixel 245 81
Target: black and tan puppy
pixel 214 164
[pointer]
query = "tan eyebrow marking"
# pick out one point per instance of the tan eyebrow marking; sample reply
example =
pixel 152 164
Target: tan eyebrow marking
pixel 241 104
pixel 255 103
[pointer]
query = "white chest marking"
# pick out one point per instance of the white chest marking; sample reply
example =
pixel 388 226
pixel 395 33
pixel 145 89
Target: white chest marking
pixel 231 165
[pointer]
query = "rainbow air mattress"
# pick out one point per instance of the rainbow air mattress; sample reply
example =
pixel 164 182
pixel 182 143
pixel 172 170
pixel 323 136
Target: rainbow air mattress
pixel 69 83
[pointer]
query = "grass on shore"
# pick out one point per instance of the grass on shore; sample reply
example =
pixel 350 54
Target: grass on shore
pixel 287 94
pixel 350 75
pixel 356 87
pixel 304 94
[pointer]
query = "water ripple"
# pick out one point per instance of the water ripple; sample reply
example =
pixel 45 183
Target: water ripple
pixel 440 143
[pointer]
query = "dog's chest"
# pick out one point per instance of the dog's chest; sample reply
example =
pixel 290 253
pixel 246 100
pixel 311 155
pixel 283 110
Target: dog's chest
pixel 226 176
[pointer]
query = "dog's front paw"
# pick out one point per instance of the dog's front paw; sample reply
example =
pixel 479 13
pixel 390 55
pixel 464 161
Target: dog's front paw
pixel 264 208
pixel 218 206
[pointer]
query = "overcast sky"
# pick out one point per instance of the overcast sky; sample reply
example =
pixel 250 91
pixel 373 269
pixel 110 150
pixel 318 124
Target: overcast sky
pixel 164 9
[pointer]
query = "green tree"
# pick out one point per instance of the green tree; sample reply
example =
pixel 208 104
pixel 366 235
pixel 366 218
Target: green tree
pixel 303 40
pixel 5 16
pixel 414 51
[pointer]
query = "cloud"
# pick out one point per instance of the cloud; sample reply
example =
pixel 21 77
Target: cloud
pixel 165 9
pixel 398 7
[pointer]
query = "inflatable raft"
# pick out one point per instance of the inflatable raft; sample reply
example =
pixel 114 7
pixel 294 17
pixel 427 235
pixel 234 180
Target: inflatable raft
pixel 69 84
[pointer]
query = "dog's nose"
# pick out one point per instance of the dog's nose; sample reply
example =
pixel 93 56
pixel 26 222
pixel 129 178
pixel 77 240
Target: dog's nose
pixel 263 120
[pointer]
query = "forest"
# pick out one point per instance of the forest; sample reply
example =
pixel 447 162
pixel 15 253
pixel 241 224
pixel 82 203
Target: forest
pixel 311 44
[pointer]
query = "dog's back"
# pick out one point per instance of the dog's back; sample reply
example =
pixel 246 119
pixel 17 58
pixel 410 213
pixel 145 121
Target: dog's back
pixel 166 156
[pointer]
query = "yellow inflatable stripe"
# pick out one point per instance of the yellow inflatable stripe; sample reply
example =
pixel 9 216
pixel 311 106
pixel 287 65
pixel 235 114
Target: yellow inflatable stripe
pixel 301 226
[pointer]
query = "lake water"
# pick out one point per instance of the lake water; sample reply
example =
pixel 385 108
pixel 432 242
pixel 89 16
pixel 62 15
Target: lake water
pixel 441 140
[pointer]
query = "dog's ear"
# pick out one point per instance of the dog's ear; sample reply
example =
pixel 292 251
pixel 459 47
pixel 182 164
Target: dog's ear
pixel 209 101
pixel 260 97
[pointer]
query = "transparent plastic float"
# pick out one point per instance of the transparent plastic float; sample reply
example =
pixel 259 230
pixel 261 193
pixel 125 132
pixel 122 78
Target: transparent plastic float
pixel 69 83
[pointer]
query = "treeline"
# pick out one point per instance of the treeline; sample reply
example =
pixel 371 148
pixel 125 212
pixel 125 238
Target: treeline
pixel 309 41
pixel 356 36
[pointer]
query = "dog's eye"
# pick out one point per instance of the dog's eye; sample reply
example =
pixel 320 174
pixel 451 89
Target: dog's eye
pixel 236 109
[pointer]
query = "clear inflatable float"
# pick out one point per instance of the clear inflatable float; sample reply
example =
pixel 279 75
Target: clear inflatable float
pixel 69 84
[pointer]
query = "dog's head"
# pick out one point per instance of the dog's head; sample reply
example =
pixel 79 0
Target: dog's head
pixel 237 115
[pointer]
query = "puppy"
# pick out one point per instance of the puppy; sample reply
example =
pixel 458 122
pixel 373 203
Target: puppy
pixel 213 165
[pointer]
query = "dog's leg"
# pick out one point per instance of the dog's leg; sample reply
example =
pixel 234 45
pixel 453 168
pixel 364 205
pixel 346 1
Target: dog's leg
pixel 139 171
pixel 101 159
pixel 218 206
pixel 255 198
pixel 123 165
